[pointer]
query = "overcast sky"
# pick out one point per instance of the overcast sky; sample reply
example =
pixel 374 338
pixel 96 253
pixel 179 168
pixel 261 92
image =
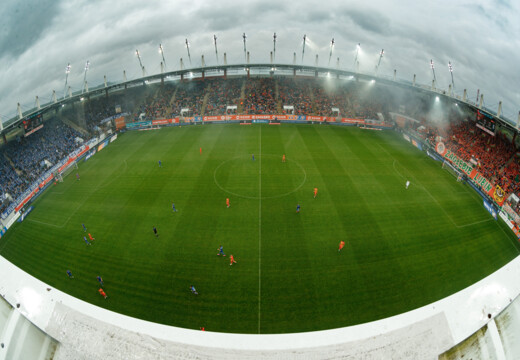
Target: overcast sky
pixel 38 38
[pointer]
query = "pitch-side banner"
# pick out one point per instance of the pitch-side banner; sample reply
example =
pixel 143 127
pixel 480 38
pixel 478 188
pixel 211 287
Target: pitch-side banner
pixel 162 122
pixel 352 121
pixel 254 117
pixel 496 192
pixel 283 117
pixel 193 118
pixel 120 123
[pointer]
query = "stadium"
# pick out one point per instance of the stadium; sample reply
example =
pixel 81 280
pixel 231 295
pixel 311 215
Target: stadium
pixel 367 216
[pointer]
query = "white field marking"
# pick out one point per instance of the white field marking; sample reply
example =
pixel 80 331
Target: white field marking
pixel 500 227
pixel 256 197
pixel 260 231
pixel 66 221
pixel 80 205
pixel 420 186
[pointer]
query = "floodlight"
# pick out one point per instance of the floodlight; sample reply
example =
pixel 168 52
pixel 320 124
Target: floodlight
pixel 433 71
pixel 358 48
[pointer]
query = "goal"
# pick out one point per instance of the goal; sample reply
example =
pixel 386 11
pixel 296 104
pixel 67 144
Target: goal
pixel 452 170
pixel 57 176
pixel 72 166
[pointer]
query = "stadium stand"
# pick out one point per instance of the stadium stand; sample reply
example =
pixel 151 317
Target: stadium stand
pixel 260 96
pixel 189 95
pixel 23 161
pixel 157 105
pixel 494 156
pixel 223 94
pixel 295 92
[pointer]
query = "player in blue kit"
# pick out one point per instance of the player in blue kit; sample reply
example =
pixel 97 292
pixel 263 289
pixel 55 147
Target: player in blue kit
pixel 84 227
pixel 69 274
pixel 100 279
pixel 298 208
pixel 193 290
pixel 173 208
pixel 86 241
pixel 160 163
pixel 221 251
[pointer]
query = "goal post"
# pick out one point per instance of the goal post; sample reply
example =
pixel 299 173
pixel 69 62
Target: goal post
pixel 58 177
pixel 72 166
pixel 452 170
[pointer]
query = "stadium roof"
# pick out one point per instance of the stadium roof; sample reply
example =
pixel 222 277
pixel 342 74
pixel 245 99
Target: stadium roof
pixel 265 69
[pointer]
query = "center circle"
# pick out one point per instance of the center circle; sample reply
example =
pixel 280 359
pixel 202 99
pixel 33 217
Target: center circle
pixel 263 176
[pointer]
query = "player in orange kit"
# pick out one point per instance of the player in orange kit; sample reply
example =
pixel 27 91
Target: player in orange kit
pixel 283 158
pixel 227 202
pixel 341 245
pixel 102 292
pixel 90 236
pixel 232 260
pixel 315 192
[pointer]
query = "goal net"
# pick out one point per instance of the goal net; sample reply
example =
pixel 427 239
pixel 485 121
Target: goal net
pixel 57 176
pixel 452 170
pixel 72 166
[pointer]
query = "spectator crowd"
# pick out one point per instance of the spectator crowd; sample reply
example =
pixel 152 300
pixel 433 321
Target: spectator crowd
pixel 24 160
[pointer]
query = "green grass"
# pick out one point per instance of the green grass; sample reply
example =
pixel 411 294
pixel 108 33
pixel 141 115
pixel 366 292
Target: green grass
pixel 405 248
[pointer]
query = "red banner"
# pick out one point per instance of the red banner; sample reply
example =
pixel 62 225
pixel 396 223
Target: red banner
pixel 162 122
pixel 216 118
pixel 239 117
pixel 120 123
pixel 352 121
pixel 26 200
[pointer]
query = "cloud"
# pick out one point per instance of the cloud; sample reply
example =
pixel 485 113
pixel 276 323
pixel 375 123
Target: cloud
pixel 23 23
pixel 370 20
pixel 479 37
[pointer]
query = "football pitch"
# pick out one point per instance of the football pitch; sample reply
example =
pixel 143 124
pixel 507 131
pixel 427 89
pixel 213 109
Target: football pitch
pixel 404 248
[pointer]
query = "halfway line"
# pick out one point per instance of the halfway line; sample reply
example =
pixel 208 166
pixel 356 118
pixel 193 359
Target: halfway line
pixel 259 229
